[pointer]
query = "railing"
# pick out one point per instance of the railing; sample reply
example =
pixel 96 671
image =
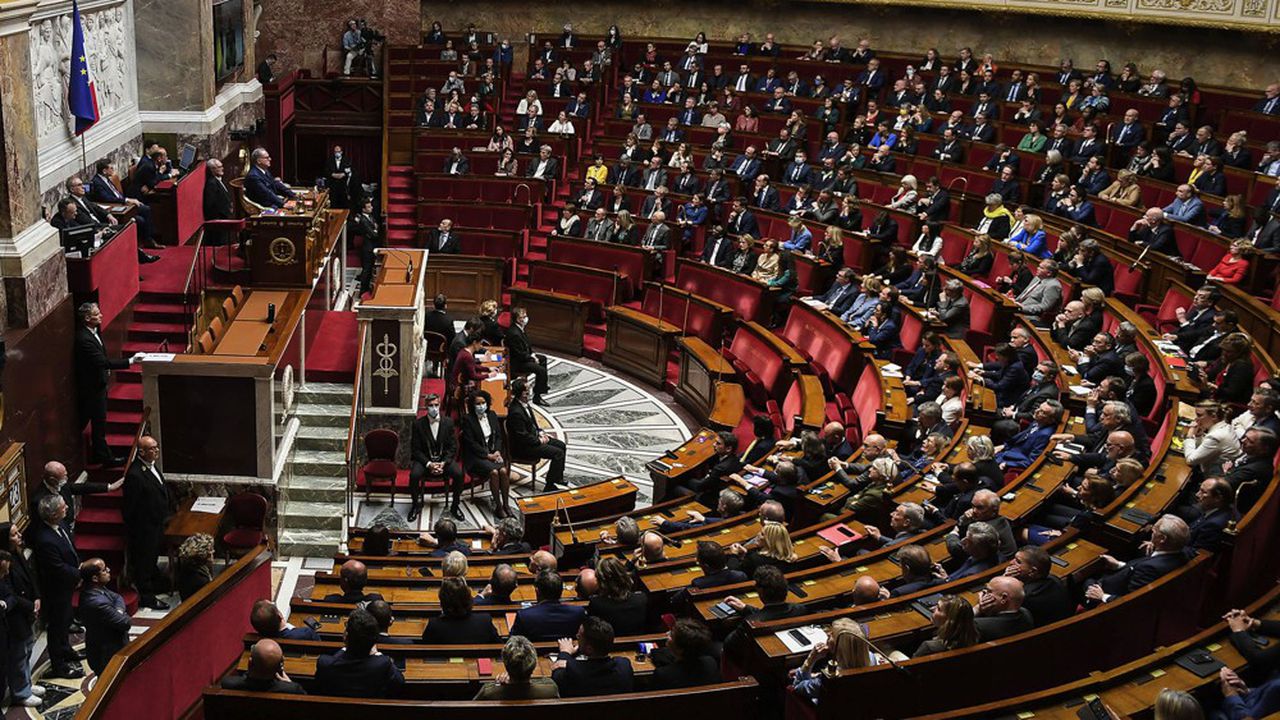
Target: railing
pixel 386 135
pixel 189 307
pixel 357 411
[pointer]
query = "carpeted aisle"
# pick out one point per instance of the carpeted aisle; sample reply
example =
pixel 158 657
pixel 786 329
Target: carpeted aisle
pixel 331 353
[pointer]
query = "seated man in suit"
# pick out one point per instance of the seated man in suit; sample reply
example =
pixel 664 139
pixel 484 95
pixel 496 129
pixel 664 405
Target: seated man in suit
pixel 1169 537
pixel 771 587
pixel 686 661
pixel 502 582
pixel 1215 503
pixel 358 669
pixel 102 612
pixel 217 202
pixel 102 189
pixel 1044 596
pixel 549 619
pixel 90 213
pixel 717 249
pixel 444 539
pixel 840 295
pixel 1043 293
pixel 1153 231
pixel 1028 444
pixel 1000 613
pixel 261 187
pixel 543 167
pixel 268 622
pixel 729 503
pixel 351 579
pixel 457 624
pixel 584 667
pixel 1099 360
pixel 725 463
pixel 443 240
pixel 434 455
pixel 266 672
pixel 519 660
pixel 528 442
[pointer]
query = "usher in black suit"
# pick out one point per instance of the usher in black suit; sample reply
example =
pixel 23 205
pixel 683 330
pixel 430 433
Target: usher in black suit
pixel 441 447
pixel 524 361
pixel 522 429
pixel 217 206
pixel 93 370
pixel 146 509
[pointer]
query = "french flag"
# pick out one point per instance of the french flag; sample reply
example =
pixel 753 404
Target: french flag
pixel 82 98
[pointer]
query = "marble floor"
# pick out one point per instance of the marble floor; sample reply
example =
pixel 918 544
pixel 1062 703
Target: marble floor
pixel 611 425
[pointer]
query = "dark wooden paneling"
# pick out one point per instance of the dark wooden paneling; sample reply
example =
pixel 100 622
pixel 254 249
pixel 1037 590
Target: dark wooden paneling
pixel 208 425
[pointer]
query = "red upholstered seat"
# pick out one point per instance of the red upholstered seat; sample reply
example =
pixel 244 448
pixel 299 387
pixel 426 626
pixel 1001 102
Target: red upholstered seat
pixel 380 468
pixel 1128 283
pixel 982 311
pixel 247 516
pixel 761 364
pixel 243 538
pixel 868 399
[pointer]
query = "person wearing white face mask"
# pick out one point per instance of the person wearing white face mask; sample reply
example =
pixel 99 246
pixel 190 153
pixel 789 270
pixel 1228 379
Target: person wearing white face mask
pixel 483 448
pixel 434 454
pixel 54 482
pixel 523 361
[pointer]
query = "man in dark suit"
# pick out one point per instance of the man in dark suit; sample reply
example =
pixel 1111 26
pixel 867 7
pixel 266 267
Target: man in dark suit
pixel 839 297
pixel 544 166
pixel 438 321
pixel 338 177
pixel 1214 503
pixel 528 442
pixel 585 667
pixel 434 455
pixel 1000 612
pixel 742 221
pixel 365 225
pixel 59 568
pixel 444 538
pixel 1169 537
pixel 153 168
pixel 1196 321
pixel 717 249
pixel 358 669
pixel 1250 474
pixel 502 582
pixel 549 619
pixel 1045 596
pixel 93 372
pixel 266 672
pixel 725 463
pixel 217 203
pixel 523 360
pixel 261 187
pixel 102 189
pixel 746 166
pixel 771 586
pixel 146 510
pixel 457 163
pixel 267 620
pixel 103 614
pixel 443 239
pixel 352 578
pixel 266 70
pixel 1102 361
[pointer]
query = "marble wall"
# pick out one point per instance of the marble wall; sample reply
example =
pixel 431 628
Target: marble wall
pixel 298 31
pixel 30 298
pixel 18 207
pixel 175 54
pixel 1215 57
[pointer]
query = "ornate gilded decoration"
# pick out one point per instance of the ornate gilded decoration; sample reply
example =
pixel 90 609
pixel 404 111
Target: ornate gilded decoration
pixel 282 251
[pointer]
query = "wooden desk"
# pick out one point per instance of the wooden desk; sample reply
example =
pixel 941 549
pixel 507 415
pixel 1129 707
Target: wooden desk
pixel 701 368
pixel 559 320
pixel 499 365
pixel 730 405
pixel 177 206
pixel 638 343
pixel 248 330
pixel 185 523
pixel 109 276
pixel 467 280
pixel 593 533
pixel 683 462
pixel 580 503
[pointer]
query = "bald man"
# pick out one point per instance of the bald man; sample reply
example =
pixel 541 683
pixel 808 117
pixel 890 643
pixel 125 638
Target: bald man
pixel 352 578
pixel 147 508
pixel 866 590
pixel 54 481
pixel 587 584
pixel 542 560
pixel 1000 612
pixel 266 672
pixel 652 549
pixel 217 203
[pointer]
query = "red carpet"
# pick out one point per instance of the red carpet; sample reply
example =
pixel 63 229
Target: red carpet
pixel 168 276
pixel 331 352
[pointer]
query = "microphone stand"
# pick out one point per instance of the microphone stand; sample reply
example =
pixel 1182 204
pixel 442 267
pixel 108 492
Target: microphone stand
pixel 892 663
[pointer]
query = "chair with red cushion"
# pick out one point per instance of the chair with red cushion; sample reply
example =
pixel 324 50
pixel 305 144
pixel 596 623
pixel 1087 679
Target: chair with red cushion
pixel 247 516
pixel 380 466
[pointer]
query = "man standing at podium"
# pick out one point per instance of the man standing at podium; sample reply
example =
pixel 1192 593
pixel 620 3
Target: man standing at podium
pixel 523 361
pixel 528 442
pixel 261 187
pixel 217 202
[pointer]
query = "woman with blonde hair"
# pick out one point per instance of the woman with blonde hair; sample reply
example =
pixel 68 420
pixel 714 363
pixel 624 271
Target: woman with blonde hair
pixel 773 547
pixel 492 333
pixel 1177 705
pixel 454 565
pixel 846 648
pixel 1029 237
pixel 831 249
pixel 1233 266
pixel 1126 472
pixel 907 193
pixel 979 260
pixel 956 627
pixel 1124 190
pixel 195 564
pixel 1229 221
pixel 1210 442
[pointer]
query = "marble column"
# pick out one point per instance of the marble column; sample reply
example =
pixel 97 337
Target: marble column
pixel 175 54
pixel 31 264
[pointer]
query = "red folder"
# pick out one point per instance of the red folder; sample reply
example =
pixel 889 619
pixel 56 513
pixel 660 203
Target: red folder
pixel 839 535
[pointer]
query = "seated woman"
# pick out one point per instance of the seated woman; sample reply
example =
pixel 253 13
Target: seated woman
pixel 1229 221
pixel 997 221
pixel 768 265
pixel 951 401
pixel 457 624
pixel 925 458
pixel 955 627
pixel 845 649
pixel 1234 265
pixel 773 547
pixel 616 601
pixel 897 267
pixel 743 260
pixel 1210 442
pixel 195 564
pixel 1070 508
pixel 906 195
pixel 1230 377
pixel 1029 237
pixel 977 263
pixel 930 240
pixel 1124 190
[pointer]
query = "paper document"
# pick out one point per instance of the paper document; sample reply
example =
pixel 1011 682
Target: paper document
pixel 158 357
pixel 212 505
pixel 1080 390
pixel 810 635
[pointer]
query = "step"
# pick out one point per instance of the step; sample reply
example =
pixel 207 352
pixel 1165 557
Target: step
pixel 304 515
pixel 114 499
pixel 320 463
pixel 325 394
pixel 158 312
pixel 333 439
pixel 100 520
pixel 88 544
pixel 315 488
pixel 317 414
pixel 308 543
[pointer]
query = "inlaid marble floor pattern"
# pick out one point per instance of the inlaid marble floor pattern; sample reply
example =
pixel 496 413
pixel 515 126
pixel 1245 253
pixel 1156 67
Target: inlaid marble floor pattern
pixel 611 425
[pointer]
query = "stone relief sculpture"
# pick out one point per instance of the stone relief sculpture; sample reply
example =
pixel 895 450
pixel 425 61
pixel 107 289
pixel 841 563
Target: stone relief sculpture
pixel 107 42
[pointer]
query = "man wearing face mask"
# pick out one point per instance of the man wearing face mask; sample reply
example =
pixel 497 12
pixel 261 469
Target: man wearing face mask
pixel 528 442
pixel 54 481
pixel 523 361
pixel 434 452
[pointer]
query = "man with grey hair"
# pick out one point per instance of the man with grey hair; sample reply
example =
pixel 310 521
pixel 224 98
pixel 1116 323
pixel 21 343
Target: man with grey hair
pixel 984 508
pixel 261 187
pixel 59 566
pixel 55 481
pixel 217 203
pixel 1043 293
pixel 952 309
pixel 544 167
pixel 1169 536
pixel 626 532
pixel 981 543
pixel 516 682
pixel 502 582
pixel 93 373
pixel 1153 231
pixel 728 504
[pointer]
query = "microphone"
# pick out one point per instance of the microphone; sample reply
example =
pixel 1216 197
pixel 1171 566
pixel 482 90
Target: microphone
pixel 1141 256
pixel 666 540
pixel 892 663
pixel 271 313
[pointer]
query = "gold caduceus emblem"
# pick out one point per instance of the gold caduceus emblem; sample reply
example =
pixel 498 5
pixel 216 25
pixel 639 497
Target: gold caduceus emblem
pixel 386 363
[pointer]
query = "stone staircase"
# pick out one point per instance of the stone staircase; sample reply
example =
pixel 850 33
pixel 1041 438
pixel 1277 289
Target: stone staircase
pixel 312 518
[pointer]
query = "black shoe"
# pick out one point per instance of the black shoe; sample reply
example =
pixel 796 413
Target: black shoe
pixel 539 400
pixel 69 672
pixel 153 604
pixel 414 512
pixel 148 259
pixel 456 512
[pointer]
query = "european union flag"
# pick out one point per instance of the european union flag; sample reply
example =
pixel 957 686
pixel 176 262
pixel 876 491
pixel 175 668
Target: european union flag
pixel 82 99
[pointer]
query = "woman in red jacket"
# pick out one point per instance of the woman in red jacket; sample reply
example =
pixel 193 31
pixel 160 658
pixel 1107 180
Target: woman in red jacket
pixel 1232 268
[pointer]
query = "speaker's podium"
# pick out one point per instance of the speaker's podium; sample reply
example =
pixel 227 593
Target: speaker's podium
pixel 288 245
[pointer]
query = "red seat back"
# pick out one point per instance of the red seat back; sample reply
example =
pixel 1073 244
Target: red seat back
pixel 868 398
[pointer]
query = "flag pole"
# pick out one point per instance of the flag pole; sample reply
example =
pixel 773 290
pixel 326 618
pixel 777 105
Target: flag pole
pixel 84 164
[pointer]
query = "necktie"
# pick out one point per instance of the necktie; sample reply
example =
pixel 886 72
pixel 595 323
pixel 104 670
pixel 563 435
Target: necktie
pixel 761 200
pixel 1124 129
pixel 62 532
pixel 1013 93
pixel 742 84
pixel 1271 105
pixel 648 237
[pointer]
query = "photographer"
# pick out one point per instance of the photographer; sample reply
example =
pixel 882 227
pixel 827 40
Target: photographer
pixel 358 42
